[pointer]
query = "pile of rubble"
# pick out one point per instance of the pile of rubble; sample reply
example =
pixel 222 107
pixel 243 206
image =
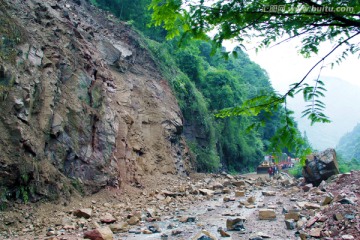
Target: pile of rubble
pixel 206 207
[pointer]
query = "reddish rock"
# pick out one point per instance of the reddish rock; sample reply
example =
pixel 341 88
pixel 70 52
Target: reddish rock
pixel 103 233
pixel 311 221
pixel 307 187
pixel 85 212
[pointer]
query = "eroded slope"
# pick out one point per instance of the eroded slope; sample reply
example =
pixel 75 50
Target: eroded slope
pixel 82 104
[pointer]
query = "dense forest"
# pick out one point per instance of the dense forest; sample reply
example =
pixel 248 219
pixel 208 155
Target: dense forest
pixel 204 81
pixel 349 149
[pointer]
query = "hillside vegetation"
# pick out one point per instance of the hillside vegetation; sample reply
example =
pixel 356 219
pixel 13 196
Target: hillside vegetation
pixel 205 82
pixel 349 150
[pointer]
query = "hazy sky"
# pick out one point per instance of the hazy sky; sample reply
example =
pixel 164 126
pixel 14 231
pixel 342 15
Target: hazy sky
pixel 285 65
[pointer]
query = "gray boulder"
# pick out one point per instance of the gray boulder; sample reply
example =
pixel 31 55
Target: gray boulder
pixel 320 166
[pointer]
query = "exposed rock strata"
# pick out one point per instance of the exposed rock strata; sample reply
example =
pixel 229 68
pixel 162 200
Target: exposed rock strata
pixel 85 104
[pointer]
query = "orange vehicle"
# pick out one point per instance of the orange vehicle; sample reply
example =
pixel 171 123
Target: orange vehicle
pixel 264 167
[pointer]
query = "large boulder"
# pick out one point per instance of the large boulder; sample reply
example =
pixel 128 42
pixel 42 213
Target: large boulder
pixel 320 166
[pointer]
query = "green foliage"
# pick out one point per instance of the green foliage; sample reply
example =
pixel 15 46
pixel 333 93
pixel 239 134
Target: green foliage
pixel 296 171
pixel 24 190
pixel 267 20
pixel 3 198
pixel 77 184
pixel 315 107
pixel 206 158
pixel 11 34
pixel 346 165
pixel 135 13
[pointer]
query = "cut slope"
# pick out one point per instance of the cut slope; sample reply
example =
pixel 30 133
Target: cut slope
pixel 86 106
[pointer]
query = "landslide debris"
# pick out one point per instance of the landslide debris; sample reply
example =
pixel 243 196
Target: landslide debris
pixel 173 208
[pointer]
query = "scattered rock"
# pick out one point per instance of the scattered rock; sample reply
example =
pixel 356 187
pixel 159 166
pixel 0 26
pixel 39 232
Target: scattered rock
pixel 312 206
pixel 185 219
pixel 217 185
pixel 251 200
pixel 263 235
pixel 154 228
pixel 290 224
pixel 103 233
pixel 223 233
pixel 307 187
pixel 135 230
pixel 239 193
pixel 311 221
pixel 119 227
pixel 338 217
pixel 206 192
pixel 267 214
pixel 269 193
pixel 85 213
pixel 292 215
pixel 315 232
pixel 235 224
pixel 228 199
pixel 107 218
pixel 176 232
pixel 347 237
pixel 133 220
pixel 226 191
pixel 239 183
pixel 327 200
pixel 204 235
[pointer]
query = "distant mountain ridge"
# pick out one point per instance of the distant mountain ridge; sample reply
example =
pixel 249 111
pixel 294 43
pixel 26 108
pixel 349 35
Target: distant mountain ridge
pixel 342 106
pixel 349 144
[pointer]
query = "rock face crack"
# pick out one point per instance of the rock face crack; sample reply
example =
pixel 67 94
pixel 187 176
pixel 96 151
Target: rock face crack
pixel 94 121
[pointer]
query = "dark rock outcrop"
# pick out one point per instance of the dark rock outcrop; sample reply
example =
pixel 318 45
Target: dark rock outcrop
pixel 84 104
pixel 320 166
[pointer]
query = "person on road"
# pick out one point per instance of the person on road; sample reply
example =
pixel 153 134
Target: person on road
pixel 276 171
pixel 270 172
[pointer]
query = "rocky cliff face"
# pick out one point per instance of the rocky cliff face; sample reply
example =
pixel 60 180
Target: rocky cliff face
pixel 82 103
